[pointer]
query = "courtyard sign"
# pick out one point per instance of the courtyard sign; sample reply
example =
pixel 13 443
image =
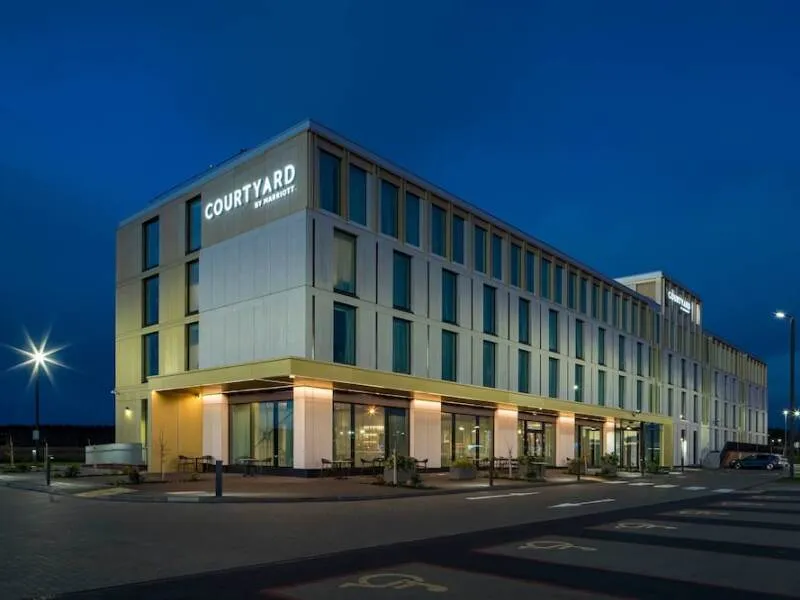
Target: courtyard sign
pixel 682 302
pixel 260 192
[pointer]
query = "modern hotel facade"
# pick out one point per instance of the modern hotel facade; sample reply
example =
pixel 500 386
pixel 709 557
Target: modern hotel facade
pixel 308 300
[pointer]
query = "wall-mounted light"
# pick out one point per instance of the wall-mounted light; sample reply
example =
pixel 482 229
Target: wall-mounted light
pixel 128 412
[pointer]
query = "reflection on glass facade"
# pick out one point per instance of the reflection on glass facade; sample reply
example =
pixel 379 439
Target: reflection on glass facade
pixel 150 292
pixel 263 431
pixel 344 334
pixel 357 195
pixel 388 217
pixel 537 440
pixel 150 244
pixel 363 432
pixel 465 436
pixel 194 224
pixel 193 287
pixel 329 182
pixel 457 240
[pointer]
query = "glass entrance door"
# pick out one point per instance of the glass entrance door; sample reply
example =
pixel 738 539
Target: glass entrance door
pixel 629 457
pixel 591 446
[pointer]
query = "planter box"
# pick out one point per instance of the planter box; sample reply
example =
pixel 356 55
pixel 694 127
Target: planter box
pixel 609 470
pixel 534 472
pixel 463 473
pixel 403 475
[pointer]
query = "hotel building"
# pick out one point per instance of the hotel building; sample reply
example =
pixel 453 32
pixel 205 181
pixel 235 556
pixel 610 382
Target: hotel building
pixel 308 300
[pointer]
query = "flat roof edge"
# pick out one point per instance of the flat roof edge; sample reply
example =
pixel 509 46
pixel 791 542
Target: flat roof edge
pixel 171 194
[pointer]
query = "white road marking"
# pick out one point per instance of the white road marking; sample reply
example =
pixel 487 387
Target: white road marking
pixel 612 482
pixel 723 490
pixel 574 504
pixel 502 495
pixel 665 486
pixel 641 483
pixel 695 488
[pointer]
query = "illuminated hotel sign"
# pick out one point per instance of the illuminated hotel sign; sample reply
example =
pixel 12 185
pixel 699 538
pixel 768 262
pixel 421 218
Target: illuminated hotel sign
pixel 682 302
pixel 260 192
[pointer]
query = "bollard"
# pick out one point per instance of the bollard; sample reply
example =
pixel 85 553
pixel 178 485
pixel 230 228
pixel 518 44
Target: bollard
pixel 218 479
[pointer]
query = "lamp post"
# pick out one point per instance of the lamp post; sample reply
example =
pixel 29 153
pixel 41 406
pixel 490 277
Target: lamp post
pixel 39 358
pixel 785 428
pixel 792 335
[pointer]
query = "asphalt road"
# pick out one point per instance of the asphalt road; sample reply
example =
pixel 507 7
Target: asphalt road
pixel 593 540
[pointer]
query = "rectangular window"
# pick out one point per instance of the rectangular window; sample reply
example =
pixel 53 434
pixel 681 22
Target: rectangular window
pixel 578 386
pixel 696 378
pixel 516 265
pixel 595 300
pixel 572 289
pixel 606 297
pixel 552 376
pixel 438 230
pixel 583 293
pixel 683 405
pixel 639 394
pixel 601 388
pixel 579 348
pixel 194 223
pixel 192 346
pixel 344 334
pixel 639 358
pixel 524 321
pixel 634 320
pixel 669 369
pixel 489 310
pixel 149 355
pixel 330 182
pixel 524 372
pixel 696 410
pixel 412 212
pixel 683 372
pixel 558 292
pixel 625 306
pixel 193 287
pixel 344 265
pixel 357 196
pixel 449 297
pixel 449 355
pixel 489 366
pixel 615 311
pixel 401 346
pixel 670 403
pixel 530 260
pixel 480 249
pixel 621 385
pixel 401 282
pixel 544 274
pixel 389 209
pixel 621 350
pixel 150 301
pixel 553 330
pixel 457 240
pixel 601 346
pixel 497 256
pixel 150 244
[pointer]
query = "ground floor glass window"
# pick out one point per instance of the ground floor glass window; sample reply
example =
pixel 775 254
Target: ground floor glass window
pixel 263 431
pixel 363 432
pixel 465 436
pixel 537 440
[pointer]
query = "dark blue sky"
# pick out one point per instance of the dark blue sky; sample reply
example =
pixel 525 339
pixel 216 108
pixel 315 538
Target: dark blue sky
pixel 634 136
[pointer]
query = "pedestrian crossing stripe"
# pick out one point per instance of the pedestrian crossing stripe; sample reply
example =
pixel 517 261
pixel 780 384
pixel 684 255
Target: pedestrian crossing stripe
pixel 111 491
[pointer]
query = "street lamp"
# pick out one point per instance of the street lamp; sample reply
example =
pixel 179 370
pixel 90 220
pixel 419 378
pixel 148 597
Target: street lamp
pixel 785 428
pixel 39 358
pixel 792 335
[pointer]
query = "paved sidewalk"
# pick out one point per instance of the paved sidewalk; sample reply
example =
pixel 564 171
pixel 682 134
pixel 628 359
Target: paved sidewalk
pixel 263 488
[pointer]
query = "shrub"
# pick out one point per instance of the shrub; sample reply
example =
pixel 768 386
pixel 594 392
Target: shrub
pixel 463 462
pixel 72 471
pixel 134 475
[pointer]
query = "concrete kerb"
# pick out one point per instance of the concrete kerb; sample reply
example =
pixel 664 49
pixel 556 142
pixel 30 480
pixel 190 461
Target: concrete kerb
pixel 187 499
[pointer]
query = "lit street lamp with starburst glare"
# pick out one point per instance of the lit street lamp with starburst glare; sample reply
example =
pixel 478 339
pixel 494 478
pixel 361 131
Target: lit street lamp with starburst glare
pixel 39 358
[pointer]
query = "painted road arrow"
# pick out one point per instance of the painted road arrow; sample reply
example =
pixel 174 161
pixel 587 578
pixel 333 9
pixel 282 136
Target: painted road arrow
pixel 574 504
